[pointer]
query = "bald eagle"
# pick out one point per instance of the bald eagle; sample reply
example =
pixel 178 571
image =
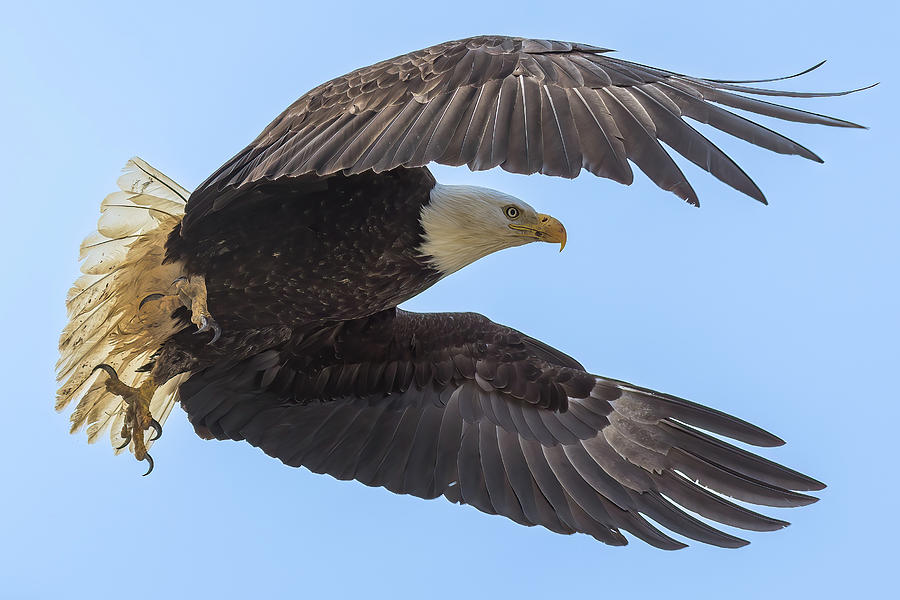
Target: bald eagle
pixel 266 300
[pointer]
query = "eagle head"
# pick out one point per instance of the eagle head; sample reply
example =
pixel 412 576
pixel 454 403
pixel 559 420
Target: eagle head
pixel 462 223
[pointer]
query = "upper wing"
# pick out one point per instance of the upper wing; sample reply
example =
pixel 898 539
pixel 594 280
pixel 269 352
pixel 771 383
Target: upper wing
pixel 524 105
pixel 455 405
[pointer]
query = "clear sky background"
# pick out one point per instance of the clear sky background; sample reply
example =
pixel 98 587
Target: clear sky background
pixel 786 315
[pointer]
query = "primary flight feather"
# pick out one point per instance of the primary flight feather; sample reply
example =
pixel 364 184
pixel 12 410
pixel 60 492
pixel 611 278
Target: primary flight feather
pixel 291 259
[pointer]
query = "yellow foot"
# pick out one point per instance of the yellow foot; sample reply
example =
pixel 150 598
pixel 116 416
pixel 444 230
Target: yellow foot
pixel 137 413
pixel 191 293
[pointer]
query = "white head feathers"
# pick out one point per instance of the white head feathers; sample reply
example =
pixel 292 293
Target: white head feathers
pixel 463 223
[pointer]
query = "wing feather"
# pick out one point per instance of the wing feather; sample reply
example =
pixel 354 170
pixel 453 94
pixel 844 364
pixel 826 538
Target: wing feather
pixel 691 144
pixel 643 148
pixel 488 429
pixel 527 106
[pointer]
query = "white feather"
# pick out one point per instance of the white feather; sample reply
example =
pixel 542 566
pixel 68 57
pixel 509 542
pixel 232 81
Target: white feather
pixel 463 223
pixel 122 264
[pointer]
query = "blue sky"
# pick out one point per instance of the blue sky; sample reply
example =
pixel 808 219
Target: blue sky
pixel 785 315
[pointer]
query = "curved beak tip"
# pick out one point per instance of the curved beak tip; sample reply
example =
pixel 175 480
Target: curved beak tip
pixel 553 231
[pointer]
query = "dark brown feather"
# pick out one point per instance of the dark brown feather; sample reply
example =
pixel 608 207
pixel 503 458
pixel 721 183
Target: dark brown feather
pixel 524 105
pixel 492 431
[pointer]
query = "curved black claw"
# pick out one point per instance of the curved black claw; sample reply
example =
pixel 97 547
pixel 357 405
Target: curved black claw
pixel 108 369
pixel 209 324
pixel 125 443
pixel 157 430
pixel 150 298
pixel 149 459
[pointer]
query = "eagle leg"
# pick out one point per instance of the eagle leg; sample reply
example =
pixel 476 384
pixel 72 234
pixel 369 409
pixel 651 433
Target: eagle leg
pixel 192 291
pixel 137 413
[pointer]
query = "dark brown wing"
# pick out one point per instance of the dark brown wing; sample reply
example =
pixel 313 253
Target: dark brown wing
pixel 527 106
pixel 456 405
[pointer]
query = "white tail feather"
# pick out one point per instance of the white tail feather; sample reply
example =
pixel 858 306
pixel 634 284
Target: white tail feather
pixel 122 264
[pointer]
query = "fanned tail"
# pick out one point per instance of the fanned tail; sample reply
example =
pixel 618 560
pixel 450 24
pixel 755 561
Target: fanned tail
pixel 122 263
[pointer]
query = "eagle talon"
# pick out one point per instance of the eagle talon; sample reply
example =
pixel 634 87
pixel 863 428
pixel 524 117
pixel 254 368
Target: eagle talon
pixel 126 442
pixel 108 370
pixel 204 325
pixel 157 429
pixel 209 324
pixel 150 298
pixel 149 459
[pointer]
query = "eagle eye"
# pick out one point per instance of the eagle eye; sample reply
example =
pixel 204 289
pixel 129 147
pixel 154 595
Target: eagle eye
pixel 511 212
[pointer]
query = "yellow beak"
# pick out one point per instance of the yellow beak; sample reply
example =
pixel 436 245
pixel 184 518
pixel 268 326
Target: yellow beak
pixel 546 229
